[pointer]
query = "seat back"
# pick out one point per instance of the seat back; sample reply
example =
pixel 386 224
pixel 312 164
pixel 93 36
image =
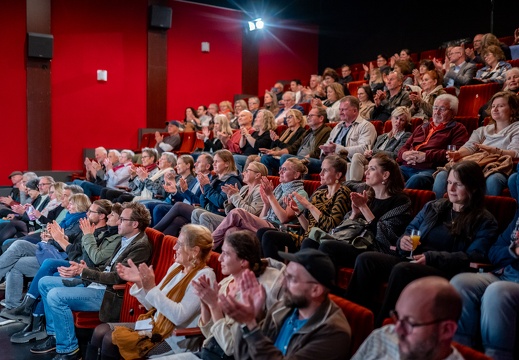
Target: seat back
pixel 155 237
pixel 353 86
pixel 429 54
pixel 214 264
pixel 471 122
pixel 280 129
pixel 379 126
pixel 274 179
pixel 503 208
pixel 469 353
pixel 418 199
pixel 473 97
pixel 188 141
pixel 165 258
pixel 361 321
pixel 306 107
pixel 310 186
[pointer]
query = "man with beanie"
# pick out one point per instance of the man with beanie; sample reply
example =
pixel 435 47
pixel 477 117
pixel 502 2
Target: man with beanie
pixel 304 324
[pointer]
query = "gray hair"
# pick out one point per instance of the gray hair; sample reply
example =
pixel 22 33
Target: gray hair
pixel 291 94
pixel 171 158
pixel 74 189
pixel 129 154
pixel 116 152
pixel 452 100
pixel 29 175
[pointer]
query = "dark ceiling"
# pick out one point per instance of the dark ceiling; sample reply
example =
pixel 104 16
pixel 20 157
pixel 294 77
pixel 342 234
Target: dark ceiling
pixel 355 31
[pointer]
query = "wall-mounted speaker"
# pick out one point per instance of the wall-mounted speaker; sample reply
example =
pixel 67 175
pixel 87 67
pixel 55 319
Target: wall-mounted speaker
pixel 40 45
pixel 160 17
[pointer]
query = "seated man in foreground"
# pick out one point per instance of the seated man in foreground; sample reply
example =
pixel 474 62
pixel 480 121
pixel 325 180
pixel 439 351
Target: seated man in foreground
pixel 60 300
pixel 425 321
pixel 305 324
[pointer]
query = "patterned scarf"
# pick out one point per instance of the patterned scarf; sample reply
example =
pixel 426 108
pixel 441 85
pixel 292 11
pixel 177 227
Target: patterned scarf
pixel 280 191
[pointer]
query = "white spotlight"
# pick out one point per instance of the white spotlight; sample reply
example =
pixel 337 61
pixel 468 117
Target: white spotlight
pixel 252 27
pixel 260 24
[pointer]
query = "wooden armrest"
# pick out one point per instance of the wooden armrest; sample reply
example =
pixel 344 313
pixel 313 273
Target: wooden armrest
pixel 119 287
pixel 187 332
pixel 481 267
pixel 124 188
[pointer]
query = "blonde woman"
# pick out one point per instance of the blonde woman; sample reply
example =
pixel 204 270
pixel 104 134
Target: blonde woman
pixel 247 198
pixel 296 123
pixel 172 303
pixel 388 143
pixel 251 144
pixel 225 107
pixel 213 143
pixel 334 93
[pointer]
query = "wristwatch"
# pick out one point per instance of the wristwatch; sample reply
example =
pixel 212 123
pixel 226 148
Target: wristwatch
pixel 245 329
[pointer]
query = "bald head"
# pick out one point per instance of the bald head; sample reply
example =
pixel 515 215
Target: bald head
pixel 433 296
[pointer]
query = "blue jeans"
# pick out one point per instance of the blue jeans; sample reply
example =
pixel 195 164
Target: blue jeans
pixel 59 302
pixel 158 212
pixel 417 178
pixel 271 163
pixel 48 268
pixel 496 183
pixel 490 306
pixel 513 185
pixel 18 260
pixel 91 189
pixel 314 167
pixel 240 161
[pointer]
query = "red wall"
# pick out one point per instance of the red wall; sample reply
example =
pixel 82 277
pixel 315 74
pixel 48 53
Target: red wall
pixel 91 35
pixel 13 97
pixel 112 35
pixel 196 78
pixel 287 51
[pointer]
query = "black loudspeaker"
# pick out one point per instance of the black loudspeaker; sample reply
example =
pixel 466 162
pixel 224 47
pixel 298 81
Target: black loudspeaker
pixel 40 45
pixel 160 17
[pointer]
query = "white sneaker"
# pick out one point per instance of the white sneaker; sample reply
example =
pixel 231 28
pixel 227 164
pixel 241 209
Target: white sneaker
pixel 2 286
pixel 2 302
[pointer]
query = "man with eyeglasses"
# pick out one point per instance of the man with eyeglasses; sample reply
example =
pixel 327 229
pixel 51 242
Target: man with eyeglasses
pixel 460 72
pixel 426 149
pixel 289 102
pixel 98 295
pixel 305 324
pixel 424 322
pixel 306 146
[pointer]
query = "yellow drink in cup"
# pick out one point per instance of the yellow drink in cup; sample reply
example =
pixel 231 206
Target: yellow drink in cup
pixel 416 240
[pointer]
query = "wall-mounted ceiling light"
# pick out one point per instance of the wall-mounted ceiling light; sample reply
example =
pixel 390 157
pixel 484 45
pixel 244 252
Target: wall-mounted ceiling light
pixel 257 24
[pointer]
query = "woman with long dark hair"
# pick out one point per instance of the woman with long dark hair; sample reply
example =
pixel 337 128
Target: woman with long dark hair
pixel 454 232
pixel 385 208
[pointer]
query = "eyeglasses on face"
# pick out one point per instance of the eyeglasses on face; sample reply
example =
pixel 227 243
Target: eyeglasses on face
pixel 93 212
pixel 121 219
pixel 440 109
pixel 44 184
pixel 407 325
